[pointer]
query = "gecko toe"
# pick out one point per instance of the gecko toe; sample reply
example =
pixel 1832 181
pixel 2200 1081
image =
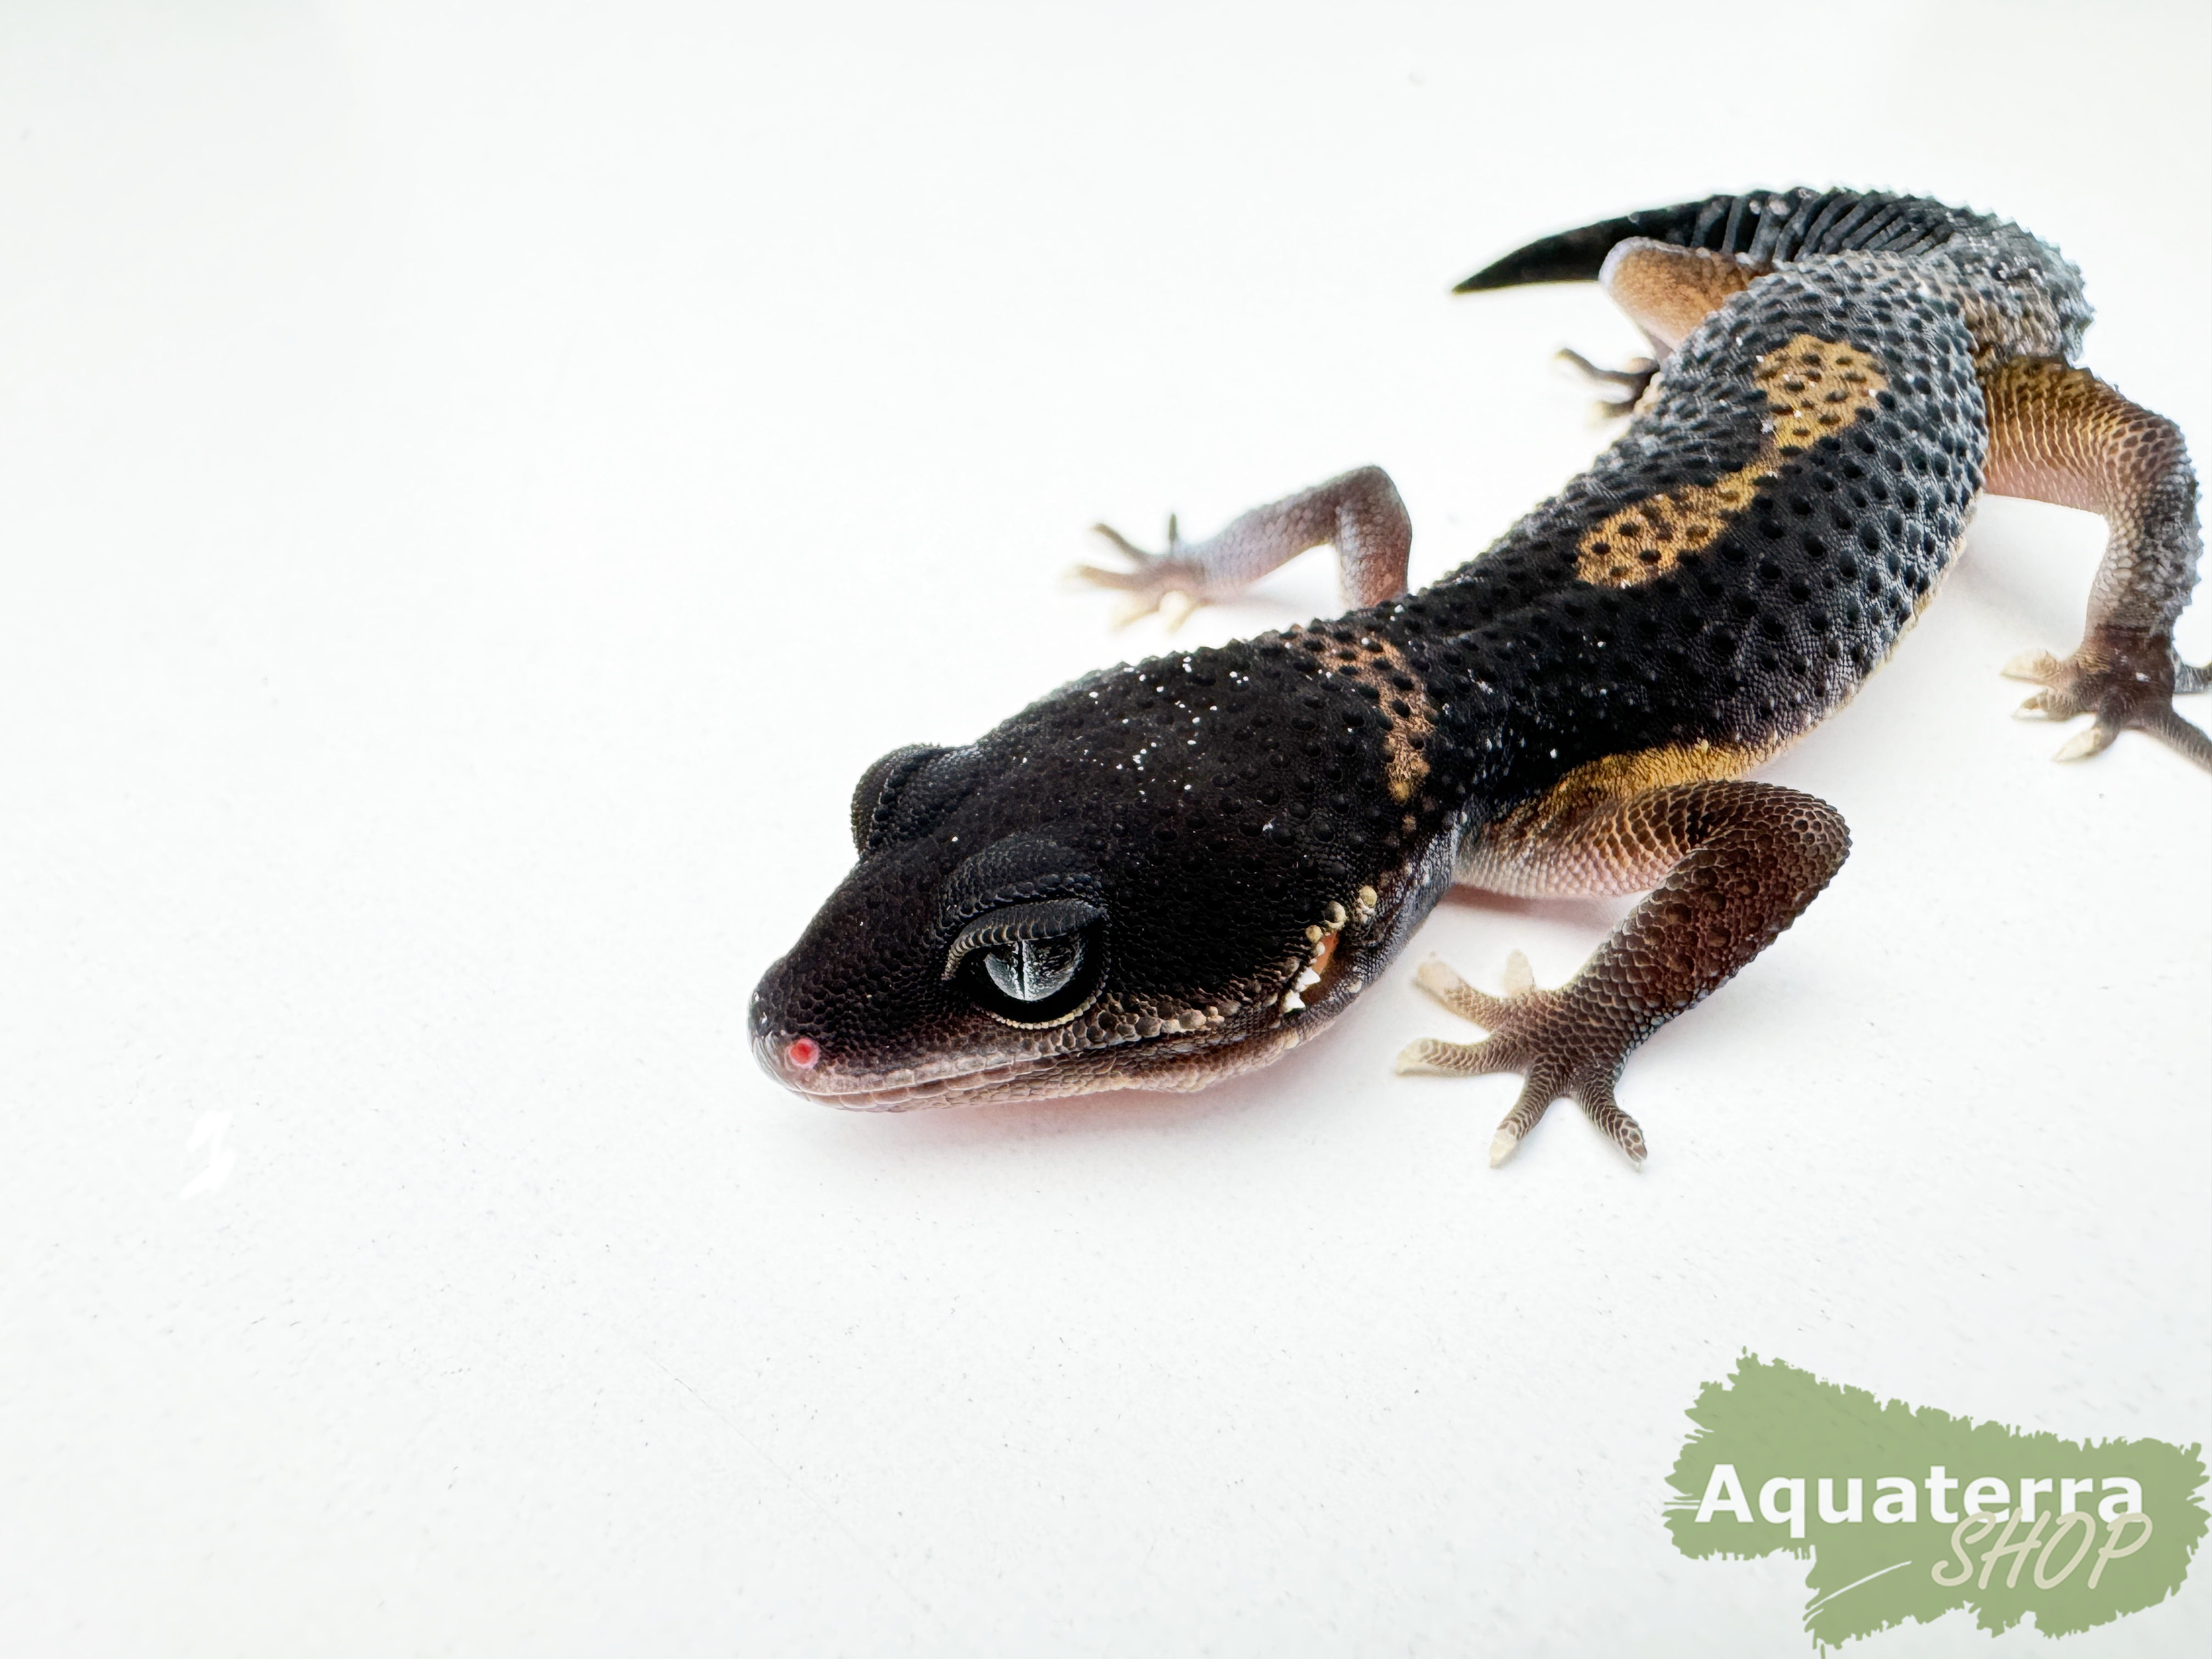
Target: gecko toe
pixel 1478 1007
pixel 1595 1095
pixel 1634 379
pixel 2093 739
pixel 1432 1057
pixel 2184 736
pixel 2039 667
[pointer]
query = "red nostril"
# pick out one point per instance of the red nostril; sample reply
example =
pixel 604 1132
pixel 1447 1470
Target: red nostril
pixel 803 1053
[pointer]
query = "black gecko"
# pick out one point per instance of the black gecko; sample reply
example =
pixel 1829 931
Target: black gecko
pixel 1166 874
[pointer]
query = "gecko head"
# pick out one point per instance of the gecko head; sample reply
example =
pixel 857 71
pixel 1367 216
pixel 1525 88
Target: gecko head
pixel 1029 919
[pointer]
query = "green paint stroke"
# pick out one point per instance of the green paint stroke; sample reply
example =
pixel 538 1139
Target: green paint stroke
pixel 1927 1539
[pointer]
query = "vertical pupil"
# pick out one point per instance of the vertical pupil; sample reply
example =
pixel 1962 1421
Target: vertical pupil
pixel 1034 969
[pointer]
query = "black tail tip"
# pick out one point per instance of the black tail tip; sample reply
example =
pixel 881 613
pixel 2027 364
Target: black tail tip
pixel 1572 256
pixel 1490 276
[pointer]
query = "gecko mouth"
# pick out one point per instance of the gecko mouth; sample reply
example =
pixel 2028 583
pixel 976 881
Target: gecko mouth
pixel 1176 1065
pixel 896 1090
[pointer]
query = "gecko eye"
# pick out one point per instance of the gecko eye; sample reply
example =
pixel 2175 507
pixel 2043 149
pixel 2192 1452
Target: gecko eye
pixel 1034 969
pixel 1032 964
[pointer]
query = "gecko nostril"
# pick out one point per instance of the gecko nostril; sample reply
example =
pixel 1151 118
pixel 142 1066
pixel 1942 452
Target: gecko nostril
pixel 803 1053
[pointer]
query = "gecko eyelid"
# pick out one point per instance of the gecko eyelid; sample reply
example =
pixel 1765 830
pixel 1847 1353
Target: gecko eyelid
pixel 1021 924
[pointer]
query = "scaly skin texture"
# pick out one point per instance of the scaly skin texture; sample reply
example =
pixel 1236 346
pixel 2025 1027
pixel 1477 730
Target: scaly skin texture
pixel 1165 874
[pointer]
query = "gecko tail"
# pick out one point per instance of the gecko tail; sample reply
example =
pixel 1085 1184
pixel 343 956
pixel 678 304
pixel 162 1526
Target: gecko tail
pixel 1765 227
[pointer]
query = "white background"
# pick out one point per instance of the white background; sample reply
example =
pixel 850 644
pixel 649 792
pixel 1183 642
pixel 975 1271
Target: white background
pixel 475 490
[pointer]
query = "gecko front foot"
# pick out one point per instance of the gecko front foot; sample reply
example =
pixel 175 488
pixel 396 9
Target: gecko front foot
pixel 1171 580
pixel 1634 377
pixel 1560 1042
pixel 2123 681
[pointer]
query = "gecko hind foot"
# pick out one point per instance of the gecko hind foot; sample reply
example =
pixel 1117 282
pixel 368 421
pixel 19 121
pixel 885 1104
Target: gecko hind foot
pixel 1548 1037
pixel 1634 377
pixel 2123 683
pixel 1167 582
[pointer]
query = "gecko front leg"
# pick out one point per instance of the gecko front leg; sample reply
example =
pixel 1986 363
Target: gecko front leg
pixel 1359 513
pixel 1734 864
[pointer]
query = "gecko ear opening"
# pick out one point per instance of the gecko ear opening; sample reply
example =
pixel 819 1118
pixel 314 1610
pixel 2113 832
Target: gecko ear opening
pixel 875 798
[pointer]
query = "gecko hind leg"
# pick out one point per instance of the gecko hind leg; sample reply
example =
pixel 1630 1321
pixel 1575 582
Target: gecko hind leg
pixel 1359 513
pixel 2059 434
pixel 1732 864
pixel 1666 291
